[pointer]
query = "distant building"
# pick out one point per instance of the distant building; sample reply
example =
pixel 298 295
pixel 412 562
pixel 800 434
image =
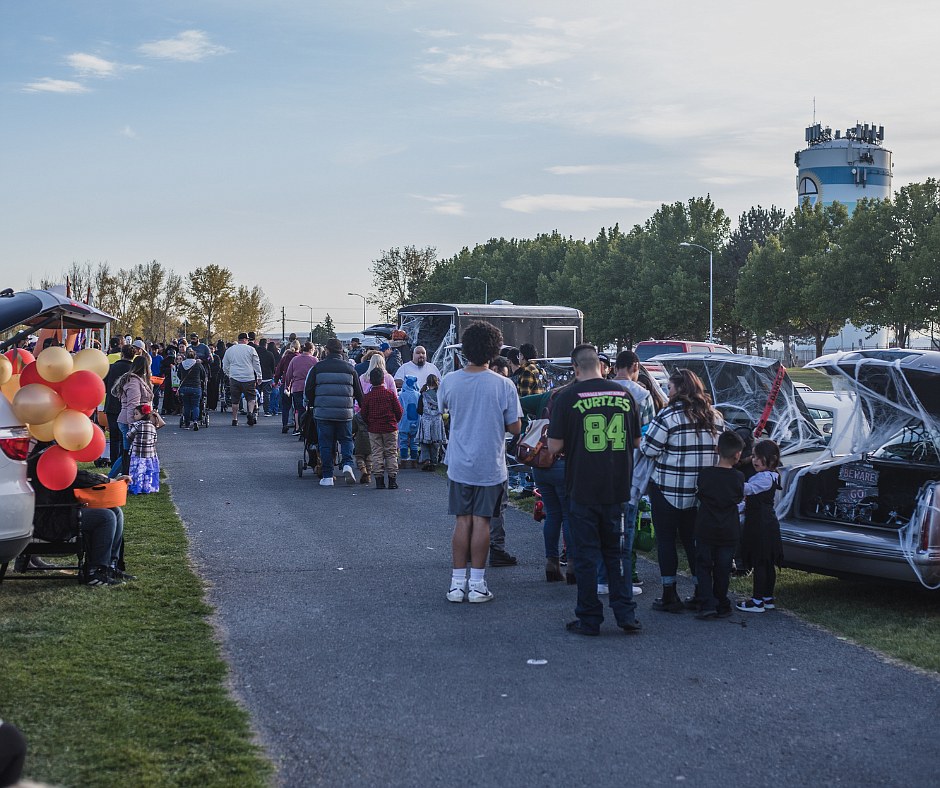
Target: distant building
pixel 843 168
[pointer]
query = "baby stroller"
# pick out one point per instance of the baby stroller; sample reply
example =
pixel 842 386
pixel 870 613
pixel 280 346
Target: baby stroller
pixel 308 435
pixel 203 412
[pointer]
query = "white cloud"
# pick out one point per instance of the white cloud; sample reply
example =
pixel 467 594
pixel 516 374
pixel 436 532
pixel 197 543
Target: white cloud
pixel 584 169
pixel 91 66
pixel 530 203
pixel 189 45
pixel 127 131
pixel 434 33
pixel 444 203
pixel 49 85
pixel 545 83
pixel 509 51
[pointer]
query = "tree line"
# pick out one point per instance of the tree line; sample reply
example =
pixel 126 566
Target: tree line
pixel 155 302
pixel 777 276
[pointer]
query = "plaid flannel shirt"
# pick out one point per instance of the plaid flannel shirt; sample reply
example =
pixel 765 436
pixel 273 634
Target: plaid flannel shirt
pixel 143 438
pixel 381 410
pixel 680 452
pixel 530 380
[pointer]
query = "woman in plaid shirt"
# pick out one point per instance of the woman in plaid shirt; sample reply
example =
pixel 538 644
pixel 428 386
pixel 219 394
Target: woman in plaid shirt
pixel 682 439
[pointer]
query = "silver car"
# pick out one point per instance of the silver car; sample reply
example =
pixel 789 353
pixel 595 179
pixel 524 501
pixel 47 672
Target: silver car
pixel 31 310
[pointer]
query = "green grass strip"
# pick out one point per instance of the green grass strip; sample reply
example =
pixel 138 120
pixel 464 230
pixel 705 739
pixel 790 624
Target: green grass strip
pixel 125 685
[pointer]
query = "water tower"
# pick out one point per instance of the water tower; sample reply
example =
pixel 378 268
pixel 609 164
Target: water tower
pixel 843 168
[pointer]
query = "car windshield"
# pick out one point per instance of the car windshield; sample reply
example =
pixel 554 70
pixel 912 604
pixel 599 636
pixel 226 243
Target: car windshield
pixel 646 352
pixel 912 444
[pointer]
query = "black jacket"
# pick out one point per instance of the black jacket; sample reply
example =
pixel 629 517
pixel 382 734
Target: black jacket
pixel 331 387
pixel 268 363
pixel 112 404
pixel 720 490
pixel 393 362
pixel 193 378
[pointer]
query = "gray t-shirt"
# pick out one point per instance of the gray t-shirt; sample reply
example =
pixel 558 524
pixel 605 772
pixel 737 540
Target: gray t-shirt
pixel 481 406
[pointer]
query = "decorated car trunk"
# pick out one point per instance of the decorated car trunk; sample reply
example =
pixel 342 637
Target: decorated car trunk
pixel 873 510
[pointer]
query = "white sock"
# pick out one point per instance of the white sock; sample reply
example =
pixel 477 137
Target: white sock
pixel 476 575
pixel 459 577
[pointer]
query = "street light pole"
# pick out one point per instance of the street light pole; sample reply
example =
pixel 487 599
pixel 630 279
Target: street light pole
pixel 711 299
pixel 363 308
pixel 310 339
pixel 486 288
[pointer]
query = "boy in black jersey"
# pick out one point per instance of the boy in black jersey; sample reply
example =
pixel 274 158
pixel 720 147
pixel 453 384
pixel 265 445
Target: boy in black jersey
pixel 595 424
pixel 718 526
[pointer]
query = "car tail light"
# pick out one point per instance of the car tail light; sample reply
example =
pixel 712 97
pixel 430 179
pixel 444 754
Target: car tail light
pixel 930 505
pixel 14 442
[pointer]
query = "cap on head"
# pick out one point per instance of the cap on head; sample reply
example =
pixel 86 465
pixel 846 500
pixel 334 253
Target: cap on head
pixel 385 346
pixel 139 343
pixel 242 336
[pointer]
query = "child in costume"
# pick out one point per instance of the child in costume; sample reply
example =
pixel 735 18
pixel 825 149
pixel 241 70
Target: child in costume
pixel 431 426
pixel 408 426
pixel 145 465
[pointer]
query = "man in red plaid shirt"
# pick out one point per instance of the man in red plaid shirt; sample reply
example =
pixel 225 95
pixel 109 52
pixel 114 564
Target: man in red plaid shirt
pixel 381 412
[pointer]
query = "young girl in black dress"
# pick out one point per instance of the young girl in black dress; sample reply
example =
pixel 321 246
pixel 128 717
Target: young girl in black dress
pixel 761 546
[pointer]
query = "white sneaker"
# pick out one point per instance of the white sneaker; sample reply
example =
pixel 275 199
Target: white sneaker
pixel 637 590
pixel 350 474
pixel 602 589
pixel 457 593
pixel 326 481
pixel 479 592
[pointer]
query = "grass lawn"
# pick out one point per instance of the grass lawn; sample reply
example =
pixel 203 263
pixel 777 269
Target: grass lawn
pixel 124 685
pixel 815 380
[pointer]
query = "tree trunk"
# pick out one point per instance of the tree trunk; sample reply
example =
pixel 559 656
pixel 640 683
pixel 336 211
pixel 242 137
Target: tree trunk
pixel 759 341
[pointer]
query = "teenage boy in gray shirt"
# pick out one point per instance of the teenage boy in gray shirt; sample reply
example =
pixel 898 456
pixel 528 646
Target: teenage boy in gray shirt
pixel 483 407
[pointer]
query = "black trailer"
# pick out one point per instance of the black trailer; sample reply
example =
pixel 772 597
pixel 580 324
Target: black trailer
pixel 554 330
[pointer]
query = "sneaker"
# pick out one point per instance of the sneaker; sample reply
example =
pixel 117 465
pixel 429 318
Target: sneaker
pixel 750 606
pixel 501 558
pixel 637 581
pixel 457 593
pixel 350 474
pixel 724 612
pixel 326 481
pixel 637 590
pixel 195 428
pixel 284 430
pixel 603 589
pixel 575 626
pixel 268 415
pixel 117 574
pixel 705 613
pixel 102 577
pixel 632 628
pixel 234 422
pixel 769 604
pixel 479 592
pixel 295 433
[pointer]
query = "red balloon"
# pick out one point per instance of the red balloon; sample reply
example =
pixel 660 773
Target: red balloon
pixel 93 450
pixel 20 358
pixel 31 374
pixel 56 468
pixel 82 390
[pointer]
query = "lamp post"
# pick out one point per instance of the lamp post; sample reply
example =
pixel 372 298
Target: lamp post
pixel 363 308
pixel 311 320
pixel 486 288
pixel 711 300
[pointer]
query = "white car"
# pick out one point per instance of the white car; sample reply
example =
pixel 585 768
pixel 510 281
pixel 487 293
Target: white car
pixel 32 310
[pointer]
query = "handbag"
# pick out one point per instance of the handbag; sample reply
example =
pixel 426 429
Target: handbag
pixel 157 420
pixel 533 446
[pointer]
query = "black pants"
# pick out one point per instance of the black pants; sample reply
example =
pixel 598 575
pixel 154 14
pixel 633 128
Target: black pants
pixel 672 524
pixel 765 578
pixel 117 437
pixel 12 755
pixel 713 570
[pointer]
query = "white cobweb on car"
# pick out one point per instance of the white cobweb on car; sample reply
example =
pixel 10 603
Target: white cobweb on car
pixel 436 333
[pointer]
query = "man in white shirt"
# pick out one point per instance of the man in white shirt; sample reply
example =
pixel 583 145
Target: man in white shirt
pixel 419 367
pixel 243 369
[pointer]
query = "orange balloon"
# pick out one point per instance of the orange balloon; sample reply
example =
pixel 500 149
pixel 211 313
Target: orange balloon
pixel 6 370
pixel 54 364
pixel 10 388
pixel 72 430
pixel 37 404
pixel 42 432
pixel 93 360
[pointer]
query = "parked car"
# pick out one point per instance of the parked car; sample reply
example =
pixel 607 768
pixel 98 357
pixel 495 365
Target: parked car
pixel 871 508
pixel 801 387
pixel 660 347
pixel 828 409
pixel 32 309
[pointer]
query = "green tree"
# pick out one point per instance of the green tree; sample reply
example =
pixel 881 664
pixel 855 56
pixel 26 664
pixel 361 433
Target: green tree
pixel 400 275
pixel 248 310
pixel 210 296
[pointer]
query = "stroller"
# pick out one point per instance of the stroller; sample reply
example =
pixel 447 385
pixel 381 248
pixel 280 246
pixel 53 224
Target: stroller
pixel 308 435
pixel 203 412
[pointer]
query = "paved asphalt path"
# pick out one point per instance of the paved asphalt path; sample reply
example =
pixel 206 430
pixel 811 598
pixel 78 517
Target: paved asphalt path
pixel 358 672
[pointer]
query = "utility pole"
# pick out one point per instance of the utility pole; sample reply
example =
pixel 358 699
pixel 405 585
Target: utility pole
pixel 283 330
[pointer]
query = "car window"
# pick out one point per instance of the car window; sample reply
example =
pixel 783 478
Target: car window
pixel 696 348
pixel 646 352
pixel 913 443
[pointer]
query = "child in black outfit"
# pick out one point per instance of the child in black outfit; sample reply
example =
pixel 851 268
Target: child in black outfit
pixel 717 527
pixel 761 545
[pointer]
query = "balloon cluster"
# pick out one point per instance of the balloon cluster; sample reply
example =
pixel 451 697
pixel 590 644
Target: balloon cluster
pixel 54 395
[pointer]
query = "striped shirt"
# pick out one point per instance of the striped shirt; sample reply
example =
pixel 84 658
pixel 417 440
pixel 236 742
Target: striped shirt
pixel 680 452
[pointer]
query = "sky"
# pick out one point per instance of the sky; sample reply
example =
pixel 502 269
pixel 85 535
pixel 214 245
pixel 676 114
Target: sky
pixel 293 142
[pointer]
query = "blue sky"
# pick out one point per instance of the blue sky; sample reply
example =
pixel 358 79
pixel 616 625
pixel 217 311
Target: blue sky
pixel 292 141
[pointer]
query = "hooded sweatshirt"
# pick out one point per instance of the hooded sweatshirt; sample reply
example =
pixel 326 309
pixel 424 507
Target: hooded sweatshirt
pixel 192 374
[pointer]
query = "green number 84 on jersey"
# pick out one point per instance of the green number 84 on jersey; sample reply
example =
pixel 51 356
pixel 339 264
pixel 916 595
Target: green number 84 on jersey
pixel 599 434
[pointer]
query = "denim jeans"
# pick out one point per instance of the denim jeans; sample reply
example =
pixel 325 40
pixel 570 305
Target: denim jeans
pixel 117 437
pixel 122 463
pixel 713 570
pixel 275 400
pixel 331 432
pixel 551 484
pixel 191 395
pixel 597 534
pixel 104 530
pixel 671 523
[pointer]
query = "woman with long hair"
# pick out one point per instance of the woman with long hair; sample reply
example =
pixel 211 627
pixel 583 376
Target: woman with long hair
pixel 681 439
pixel 133 388
pixel 378 360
